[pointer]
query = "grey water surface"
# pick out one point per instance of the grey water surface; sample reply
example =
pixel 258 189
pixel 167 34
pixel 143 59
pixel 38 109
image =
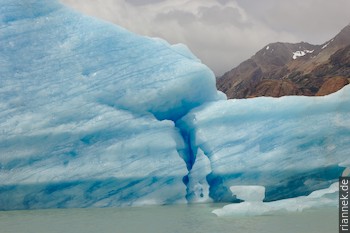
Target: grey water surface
pixel 164 219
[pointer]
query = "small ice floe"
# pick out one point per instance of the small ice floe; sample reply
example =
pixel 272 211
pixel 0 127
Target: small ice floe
pixel 253 204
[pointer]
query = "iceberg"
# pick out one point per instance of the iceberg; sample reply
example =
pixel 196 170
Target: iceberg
pixel 291 145
pixel 87 110
pixel 92 115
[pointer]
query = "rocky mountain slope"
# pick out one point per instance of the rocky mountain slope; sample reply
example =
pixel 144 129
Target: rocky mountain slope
pixel 281 69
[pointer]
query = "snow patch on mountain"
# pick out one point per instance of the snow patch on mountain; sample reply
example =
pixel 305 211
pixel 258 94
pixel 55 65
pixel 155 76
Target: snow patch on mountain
pixel 302 53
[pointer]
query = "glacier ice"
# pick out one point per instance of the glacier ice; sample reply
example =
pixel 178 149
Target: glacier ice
pixel 55 53
pixel 92 115
pixel 107 157
pixel 198 187
pixel 290 145
pixel 327 197
pixel 249 193
pixel 85 110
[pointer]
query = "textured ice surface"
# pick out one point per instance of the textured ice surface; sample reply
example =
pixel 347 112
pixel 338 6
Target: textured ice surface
pixel 105 157
pixel 327 197
pixel 87 112
pixel 290 145
pixel 79 100
pixel 51 53
pixel 249 193
pixel 198 187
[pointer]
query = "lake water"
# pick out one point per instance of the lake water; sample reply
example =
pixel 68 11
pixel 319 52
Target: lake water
pixel 164 219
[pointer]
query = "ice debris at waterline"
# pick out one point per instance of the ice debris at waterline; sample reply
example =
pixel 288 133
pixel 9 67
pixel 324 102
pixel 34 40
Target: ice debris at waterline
pixel 92 115
pixel 327 197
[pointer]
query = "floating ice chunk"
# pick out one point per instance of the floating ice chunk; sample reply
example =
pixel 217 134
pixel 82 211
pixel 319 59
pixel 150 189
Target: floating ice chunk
pixel 249 193
pixel 321 193
pixel 320 198
pixel 243 209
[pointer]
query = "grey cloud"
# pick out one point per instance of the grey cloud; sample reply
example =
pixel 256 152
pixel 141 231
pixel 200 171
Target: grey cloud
pixel 143 2
pixel 314 21
pixel 218 16
pixel 215 16
pixel 223 33
pixel 179 16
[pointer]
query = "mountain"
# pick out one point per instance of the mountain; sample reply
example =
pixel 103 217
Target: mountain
pixel 281 69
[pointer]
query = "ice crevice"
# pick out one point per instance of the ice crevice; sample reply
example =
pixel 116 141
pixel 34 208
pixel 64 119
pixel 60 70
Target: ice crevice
pixel 202 184
pixel 199 167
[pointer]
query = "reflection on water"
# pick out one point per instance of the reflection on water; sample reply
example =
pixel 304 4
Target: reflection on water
pixel 163 219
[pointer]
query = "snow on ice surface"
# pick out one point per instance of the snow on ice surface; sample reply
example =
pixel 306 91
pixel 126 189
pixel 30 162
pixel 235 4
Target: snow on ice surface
pixel 320 198
pixel 290 145
pixel 79 100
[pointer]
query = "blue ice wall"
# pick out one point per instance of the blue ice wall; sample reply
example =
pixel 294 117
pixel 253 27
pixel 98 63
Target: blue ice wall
pixel 80 107
pixel 92 115
pixel 290 145
pixel 50 53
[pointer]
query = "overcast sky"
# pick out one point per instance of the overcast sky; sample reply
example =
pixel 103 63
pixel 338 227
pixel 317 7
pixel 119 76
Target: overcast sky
pixel 223 33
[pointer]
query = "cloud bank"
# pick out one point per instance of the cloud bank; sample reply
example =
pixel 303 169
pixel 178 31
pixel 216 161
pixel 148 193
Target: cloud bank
pixel 223 33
